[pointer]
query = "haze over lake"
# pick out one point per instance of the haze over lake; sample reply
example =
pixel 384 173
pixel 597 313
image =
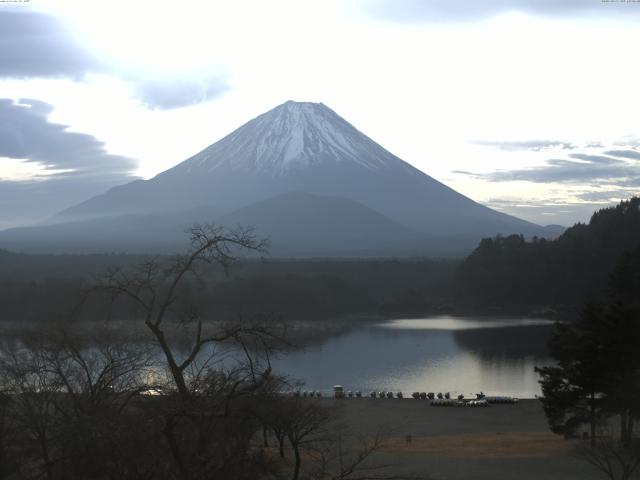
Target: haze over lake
pixel 439 354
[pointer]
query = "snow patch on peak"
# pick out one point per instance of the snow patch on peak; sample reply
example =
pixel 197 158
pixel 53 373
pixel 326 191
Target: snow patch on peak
pixel 292 104
pixel 291 137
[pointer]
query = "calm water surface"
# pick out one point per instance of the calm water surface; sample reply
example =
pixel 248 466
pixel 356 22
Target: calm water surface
pixel 447 354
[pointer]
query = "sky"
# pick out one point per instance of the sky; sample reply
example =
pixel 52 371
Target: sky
pixel 527 106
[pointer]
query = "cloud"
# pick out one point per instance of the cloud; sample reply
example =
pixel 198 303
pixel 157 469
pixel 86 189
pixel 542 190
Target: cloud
pixel 560 207
pixel 595 158
pixel 175 93
pixel 545 211
pixel 564 171
pixel 631 154
pixel 436 11
pixel 38 45
pixel 26 134
pixel 629 141
pixel 535 145
pixel 74 166
pixel 578 168
pixel 608 196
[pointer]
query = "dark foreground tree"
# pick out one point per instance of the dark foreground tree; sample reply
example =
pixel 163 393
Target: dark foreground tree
pixel 572 391
pixel 154 288
pixel 214 371
pixel 67 406
pixel 598 370
pixel 610 457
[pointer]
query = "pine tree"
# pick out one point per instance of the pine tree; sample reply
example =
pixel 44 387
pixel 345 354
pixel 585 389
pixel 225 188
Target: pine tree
pixel 598 370
pixel 573 391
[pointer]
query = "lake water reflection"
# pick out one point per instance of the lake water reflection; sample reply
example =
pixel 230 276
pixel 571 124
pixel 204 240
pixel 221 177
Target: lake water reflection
pixel 454 354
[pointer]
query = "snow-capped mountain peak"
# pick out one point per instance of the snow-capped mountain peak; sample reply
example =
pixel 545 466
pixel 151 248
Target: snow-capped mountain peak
pixel 306 148
pixel 290 137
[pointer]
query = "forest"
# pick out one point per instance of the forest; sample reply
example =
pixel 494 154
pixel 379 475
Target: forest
pixel 503 275
pixel 37 286
pixel 558 275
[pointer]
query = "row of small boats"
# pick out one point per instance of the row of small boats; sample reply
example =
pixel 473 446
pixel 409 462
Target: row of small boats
pixel 437 399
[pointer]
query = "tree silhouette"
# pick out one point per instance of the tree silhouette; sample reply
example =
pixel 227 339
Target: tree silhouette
pixel 572 391
pixel 598 370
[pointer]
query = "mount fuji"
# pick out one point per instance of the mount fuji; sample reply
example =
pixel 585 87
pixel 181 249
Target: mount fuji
pixel 300 174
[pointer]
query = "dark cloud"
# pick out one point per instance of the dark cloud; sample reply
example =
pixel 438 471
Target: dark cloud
pixel 434 11
pixel 590 168
pixel 609 196
pixel 578 167
pixel 535 145
pixel 175 93
pixel 631 154
pixel 86 167
pixel 569 172
pixel 26 134
pixel 38 45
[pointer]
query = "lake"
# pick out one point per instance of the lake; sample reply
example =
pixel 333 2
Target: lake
pixel 439 354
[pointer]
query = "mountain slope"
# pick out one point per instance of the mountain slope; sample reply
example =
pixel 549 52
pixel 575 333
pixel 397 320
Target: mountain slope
pixel 303 224
pixel 305 147
pixel 299 173
pixel 297 224
pixel 133 233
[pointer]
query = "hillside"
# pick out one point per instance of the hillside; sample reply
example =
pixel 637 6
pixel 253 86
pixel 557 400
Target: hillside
pixel 511 272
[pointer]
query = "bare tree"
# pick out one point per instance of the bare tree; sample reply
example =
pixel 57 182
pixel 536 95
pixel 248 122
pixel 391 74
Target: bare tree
pixel 272 411
pixel 67 399
pixel 307 421
pixel 343 456
pixel 613 458
pixel 204 426
pixel 4 467
pixel 154 289
pixel 33 408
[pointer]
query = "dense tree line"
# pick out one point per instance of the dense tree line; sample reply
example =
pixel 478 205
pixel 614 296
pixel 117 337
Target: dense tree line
pixel 514 273
pixel 25 267
pixel 290 288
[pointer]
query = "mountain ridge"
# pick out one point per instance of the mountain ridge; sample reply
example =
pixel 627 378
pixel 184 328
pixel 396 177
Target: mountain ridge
pixel 305 147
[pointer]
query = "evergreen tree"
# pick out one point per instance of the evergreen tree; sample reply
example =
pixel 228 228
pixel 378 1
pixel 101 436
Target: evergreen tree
pixel 512 272
pixel 598 370
pixel 573 390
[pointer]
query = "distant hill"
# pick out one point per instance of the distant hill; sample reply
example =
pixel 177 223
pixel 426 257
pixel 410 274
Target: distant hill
pixel 296 148
pixel 135 233
pixel 506 272
pixel 302 224
pixel 296 223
